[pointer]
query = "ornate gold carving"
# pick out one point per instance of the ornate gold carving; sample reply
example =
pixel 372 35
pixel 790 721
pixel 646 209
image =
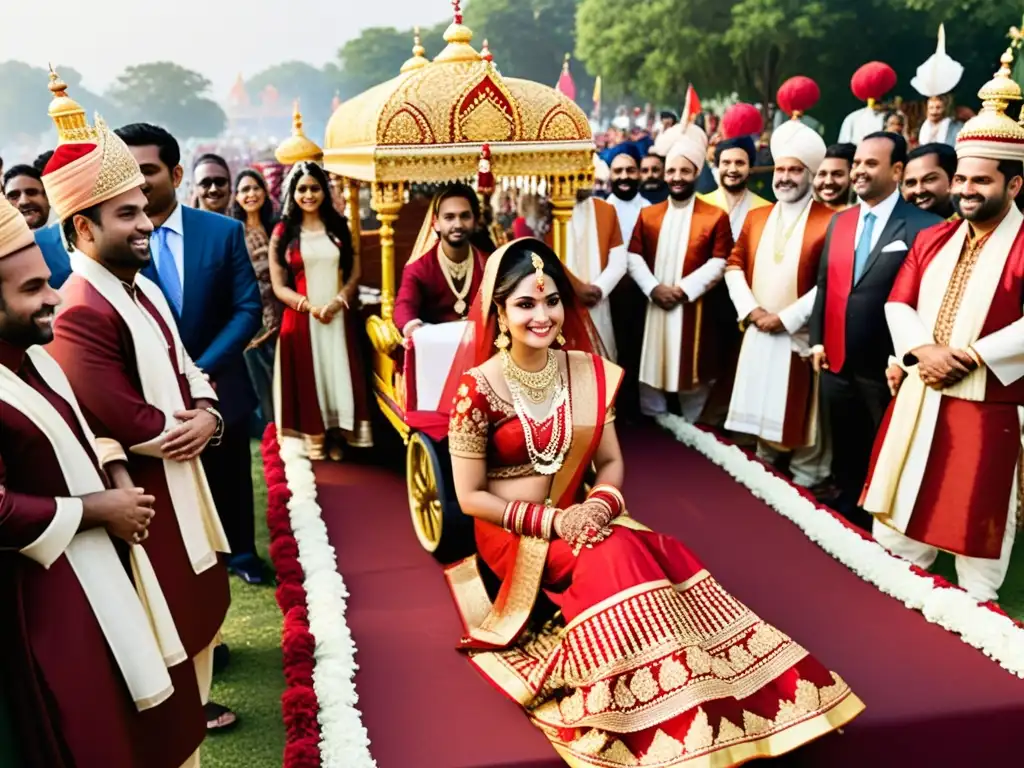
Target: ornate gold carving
pixel 387 202
pixel 298 147
pixel 955 290
pixel 383 334
pixel 67 114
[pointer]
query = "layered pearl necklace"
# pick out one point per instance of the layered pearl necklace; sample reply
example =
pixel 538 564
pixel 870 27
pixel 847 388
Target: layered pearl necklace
pixel 457 270
pixel 536 387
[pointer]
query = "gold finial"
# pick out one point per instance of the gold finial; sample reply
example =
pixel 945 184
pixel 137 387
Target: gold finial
pixel 993 122
pixel 998 92
pixel 67 114
pixel 298 146
pixel 485 52
pixel 565 62
pixel 458 37
pixel 418 59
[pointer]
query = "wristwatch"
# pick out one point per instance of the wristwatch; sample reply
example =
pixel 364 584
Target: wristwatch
pixel 218 433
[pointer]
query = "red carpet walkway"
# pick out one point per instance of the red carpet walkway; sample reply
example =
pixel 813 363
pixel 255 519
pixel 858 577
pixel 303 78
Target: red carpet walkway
pixel 931 700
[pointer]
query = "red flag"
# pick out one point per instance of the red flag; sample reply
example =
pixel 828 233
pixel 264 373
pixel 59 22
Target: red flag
pixel 565 81
pixel 692 106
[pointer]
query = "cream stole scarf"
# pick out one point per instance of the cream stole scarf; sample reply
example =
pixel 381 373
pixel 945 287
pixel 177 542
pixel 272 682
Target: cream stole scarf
pixel 122 615
pixel 758 404
pixel 583 258
pixel 186 481
pixel 663 331
pixel 907 443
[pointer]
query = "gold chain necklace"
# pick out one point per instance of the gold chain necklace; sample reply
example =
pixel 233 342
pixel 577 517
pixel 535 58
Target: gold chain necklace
pixel 782 236
pixel 453 271
pixel 535 385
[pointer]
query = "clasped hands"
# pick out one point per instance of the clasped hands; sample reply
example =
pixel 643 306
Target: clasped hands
pixel 941 366
pixel 668 297
pixel 187 440
pixel 590 295
pixel 584 525
pixel 765 321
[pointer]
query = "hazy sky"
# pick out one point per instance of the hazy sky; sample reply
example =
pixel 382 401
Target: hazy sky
pixel 218 38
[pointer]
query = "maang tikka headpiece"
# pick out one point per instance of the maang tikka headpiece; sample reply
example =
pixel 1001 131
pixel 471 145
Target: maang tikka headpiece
pixel 538 265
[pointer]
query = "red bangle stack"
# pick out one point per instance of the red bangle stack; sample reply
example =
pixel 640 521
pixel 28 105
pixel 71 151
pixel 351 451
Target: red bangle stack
pixel 528 519
pixel 610 497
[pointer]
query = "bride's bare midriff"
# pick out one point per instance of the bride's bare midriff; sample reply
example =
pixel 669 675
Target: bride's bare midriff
pixel 533 489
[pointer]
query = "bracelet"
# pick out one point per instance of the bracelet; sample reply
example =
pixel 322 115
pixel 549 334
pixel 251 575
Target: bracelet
pixel 218 433
pixel 609 497
pixel 528 519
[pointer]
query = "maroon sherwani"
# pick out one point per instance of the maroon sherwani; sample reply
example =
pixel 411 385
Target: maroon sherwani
pixel 94 347
pixel 424 293
pixel 69 700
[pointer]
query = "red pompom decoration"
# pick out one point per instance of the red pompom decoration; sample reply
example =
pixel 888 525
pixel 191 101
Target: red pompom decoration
pixel 290 594
pixel 484 175
pixel 797 95
pixel 872 81
pixel 302 753
pixel 742 120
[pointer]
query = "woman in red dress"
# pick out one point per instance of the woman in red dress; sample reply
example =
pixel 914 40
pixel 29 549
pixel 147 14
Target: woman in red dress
pixel 319 385
pixel 647 660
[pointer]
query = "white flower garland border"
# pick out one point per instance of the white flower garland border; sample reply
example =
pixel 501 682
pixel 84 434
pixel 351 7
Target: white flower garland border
pixel 344 741
pixel 995 635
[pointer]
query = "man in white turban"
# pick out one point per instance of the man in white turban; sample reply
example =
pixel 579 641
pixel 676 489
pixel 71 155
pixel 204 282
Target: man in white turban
pixel 676 255
pixel 935 80
pixel 771 276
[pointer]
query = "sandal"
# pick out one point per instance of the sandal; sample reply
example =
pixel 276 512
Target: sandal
pixel 219 718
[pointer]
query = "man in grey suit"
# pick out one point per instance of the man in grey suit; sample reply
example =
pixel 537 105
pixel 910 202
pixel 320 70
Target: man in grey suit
pixel 864 250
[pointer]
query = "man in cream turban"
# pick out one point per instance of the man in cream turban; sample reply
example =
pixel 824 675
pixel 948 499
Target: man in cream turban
pixel 771 276
pixel 676 255
pixel 117 341
pixel 105 695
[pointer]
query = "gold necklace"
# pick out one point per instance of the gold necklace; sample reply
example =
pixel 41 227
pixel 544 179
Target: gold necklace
pixel 782 236
pixel 453 271
pixel 535 385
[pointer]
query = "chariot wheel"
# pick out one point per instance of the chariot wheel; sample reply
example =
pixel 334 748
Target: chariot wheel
pixel 438 522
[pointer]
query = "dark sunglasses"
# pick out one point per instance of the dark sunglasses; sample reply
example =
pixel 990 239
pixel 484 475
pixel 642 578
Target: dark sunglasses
pixel 218 181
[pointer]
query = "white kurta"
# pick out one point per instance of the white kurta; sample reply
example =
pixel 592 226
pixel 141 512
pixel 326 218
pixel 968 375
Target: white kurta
pixel 859 124
pixel 758 404
pixel 583 258
pixel 663 331
pixel 628 212
pixel 320 259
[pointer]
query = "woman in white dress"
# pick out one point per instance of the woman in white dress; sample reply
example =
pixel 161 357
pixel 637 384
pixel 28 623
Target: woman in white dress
pixel 319 385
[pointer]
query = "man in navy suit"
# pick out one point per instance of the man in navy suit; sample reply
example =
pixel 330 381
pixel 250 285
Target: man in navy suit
pixel 864 250
pixel 201 263
pixel 54 254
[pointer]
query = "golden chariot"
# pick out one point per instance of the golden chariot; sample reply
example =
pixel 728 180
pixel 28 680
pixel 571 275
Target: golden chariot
pixel 431 124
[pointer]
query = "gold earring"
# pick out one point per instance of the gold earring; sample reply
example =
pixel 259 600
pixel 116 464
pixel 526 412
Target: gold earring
pixel 560 339
pixel 502 342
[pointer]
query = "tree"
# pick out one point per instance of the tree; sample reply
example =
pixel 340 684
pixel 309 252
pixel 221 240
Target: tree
pixel 529 38
pixel 24 99
pixel 171 96
pixel 378 54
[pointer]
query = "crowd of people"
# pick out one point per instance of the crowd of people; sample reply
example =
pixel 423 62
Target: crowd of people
pixel 862 333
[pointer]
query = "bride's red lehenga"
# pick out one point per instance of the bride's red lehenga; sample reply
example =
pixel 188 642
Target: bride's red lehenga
pixel 649 661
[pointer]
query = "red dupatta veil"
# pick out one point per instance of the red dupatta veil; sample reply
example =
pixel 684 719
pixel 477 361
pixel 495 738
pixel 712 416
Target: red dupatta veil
pixel 477 344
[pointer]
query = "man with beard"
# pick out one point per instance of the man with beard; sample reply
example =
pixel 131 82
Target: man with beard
pixel 118 343
pixel 733 159
pixel 211 180
pixel 439 286
pixel 201 263
pixel 23 188
pixel 80 659
pixel 832 181
pixel 676 255
pixel 865 248
pixel 946 465
pixel 652 179
pixel 624 162
pixel 927 180
pixel 771 278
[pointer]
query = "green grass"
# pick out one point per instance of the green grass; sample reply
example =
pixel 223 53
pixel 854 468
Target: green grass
pixel 253 683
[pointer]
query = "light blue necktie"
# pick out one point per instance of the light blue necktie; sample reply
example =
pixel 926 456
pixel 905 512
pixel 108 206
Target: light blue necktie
pixel 860 256
pixel 170 280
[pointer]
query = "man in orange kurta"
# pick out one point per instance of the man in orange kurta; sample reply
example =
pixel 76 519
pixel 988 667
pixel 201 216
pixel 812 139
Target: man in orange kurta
pixel 771 276
pixel 677 254
pixel 946 468
pixel 596 260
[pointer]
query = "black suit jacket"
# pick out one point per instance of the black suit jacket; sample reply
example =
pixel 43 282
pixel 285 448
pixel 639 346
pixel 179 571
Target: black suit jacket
pixel 868 342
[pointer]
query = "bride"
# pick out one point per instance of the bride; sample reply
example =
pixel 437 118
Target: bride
pixel 621 647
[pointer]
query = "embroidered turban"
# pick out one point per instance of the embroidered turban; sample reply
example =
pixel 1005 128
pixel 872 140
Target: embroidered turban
pixel 693 145
pixel 15 234
pixel 993 134
pixel 90 165
pixel 794 139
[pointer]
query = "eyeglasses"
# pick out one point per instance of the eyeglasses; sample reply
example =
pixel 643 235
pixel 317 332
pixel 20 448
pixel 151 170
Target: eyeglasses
pixel 219 182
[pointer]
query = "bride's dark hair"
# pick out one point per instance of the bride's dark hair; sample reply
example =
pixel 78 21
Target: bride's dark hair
pixel 517 265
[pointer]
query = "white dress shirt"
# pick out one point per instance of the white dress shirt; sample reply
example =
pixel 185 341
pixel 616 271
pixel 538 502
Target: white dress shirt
pixel 176 242
pixel 882 212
